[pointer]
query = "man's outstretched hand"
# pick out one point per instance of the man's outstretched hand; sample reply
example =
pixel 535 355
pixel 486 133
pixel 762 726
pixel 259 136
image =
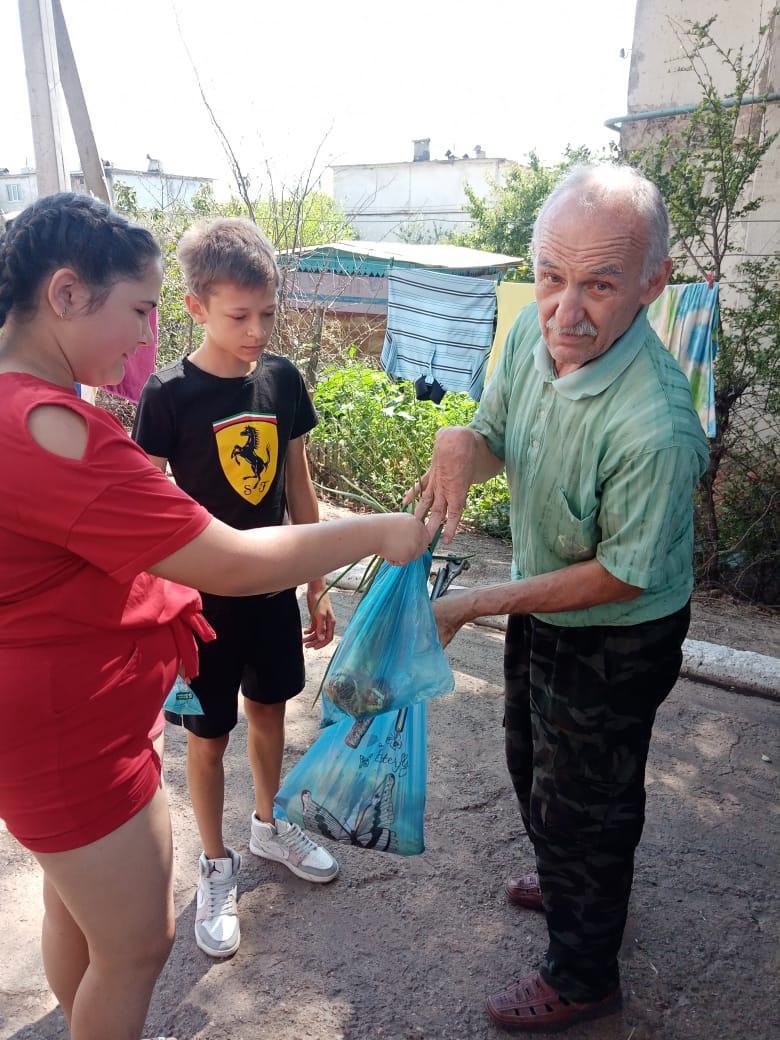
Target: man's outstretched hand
pixel 442 490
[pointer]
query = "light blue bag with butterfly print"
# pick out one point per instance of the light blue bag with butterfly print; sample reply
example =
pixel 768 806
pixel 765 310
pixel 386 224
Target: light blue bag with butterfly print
pixel 363 783
pixel 390 656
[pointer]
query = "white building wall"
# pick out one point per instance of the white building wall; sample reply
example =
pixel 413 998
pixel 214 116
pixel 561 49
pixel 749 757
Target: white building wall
pixel 412 201
pixel 652 78
pixel 656 82
pixel 158 190
pixel 153 190
pixel 17 190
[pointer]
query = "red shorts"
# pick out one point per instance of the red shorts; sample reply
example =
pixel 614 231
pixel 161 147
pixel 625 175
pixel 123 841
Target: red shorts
pixel 76 759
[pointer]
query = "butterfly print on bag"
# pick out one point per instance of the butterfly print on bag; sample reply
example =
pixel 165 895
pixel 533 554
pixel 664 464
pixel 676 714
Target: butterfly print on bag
pixel 373 828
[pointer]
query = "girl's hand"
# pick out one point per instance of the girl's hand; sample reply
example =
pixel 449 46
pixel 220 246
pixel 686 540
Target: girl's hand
pixel 404 538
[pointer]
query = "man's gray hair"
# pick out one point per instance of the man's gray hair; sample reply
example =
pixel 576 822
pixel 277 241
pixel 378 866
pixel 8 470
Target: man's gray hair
pixel 594 183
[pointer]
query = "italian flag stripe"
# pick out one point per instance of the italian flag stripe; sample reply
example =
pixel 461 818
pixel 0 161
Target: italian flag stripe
pixel 243 417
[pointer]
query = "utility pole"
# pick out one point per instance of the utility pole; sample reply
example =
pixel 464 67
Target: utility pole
pixel 91 165
pixel 43 88
pixel 51 71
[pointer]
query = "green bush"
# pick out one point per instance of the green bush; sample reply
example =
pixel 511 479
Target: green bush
pixel 375 438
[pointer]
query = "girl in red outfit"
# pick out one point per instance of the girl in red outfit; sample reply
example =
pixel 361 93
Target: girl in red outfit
pixel 99 554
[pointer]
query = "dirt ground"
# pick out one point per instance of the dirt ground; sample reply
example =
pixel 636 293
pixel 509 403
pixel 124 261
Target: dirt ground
pixel 400 949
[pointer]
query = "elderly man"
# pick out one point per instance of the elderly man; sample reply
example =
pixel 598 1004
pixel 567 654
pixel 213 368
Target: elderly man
pixel 593 421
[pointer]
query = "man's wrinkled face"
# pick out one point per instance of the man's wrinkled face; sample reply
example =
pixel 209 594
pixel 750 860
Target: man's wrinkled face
pixel 588 278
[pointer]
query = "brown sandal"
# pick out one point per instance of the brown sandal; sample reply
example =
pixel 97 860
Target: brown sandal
pixel 531 1005
pixel 525 891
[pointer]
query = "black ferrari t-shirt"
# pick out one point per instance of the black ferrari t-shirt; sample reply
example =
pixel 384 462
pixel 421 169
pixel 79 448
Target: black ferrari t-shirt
pixel 226 439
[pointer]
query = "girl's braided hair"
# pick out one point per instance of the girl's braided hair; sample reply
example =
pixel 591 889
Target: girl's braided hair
pixel 67 230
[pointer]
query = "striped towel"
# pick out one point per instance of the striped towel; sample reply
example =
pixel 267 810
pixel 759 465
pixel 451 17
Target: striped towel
pixel 685 319
pixel 439 326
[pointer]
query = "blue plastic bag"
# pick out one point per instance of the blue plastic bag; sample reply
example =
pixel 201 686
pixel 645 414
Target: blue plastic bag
pixel 182 700
pixel 390 656
pixel 363 783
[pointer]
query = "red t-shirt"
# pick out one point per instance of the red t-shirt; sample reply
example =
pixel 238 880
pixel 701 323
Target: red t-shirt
pixel 89 643
pixel 77 535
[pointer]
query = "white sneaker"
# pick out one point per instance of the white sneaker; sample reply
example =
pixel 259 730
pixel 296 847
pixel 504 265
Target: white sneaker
pixel 286 843
pixel 217 931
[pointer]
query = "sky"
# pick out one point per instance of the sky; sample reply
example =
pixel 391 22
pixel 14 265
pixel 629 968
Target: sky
pixel 299 85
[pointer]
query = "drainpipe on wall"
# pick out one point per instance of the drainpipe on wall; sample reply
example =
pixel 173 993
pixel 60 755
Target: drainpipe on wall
pixel 665 113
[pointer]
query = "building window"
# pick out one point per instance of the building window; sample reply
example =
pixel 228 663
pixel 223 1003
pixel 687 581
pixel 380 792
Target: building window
pixel 13 192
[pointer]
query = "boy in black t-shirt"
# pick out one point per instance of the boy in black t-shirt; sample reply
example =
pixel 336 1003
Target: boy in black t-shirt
pixel 231 422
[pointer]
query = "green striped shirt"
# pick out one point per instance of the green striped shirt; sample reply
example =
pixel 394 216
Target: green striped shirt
pixel 600 463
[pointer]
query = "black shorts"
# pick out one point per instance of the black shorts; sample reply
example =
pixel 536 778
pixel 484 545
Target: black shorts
pixel 258 647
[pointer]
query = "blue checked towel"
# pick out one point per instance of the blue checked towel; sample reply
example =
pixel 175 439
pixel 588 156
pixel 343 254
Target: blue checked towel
pixel 439 326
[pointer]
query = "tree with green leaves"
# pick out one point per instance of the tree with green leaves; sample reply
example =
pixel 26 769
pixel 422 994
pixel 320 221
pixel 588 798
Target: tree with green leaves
pixel 292 219
pixel 705 167
pixel 503 221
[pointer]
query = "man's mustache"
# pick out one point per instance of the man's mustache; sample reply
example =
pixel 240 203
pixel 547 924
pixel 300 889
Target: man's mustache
pixel 582 328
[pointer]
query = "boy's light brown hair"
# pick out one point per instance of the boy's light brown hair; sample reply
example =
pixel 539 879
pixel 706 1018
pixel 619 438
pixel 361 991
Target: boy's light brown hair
pixel 226 249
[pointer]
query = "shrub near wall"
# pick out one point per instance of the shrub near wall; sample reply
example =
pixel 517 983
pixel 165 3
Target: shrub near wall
pixel 376 438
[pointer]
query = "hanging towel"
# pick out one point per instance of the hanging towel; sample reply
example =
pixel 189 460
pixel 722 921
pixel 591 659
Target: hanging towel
pixel 511 298
pixel 439 326
pixel 138 368
pixel 685 319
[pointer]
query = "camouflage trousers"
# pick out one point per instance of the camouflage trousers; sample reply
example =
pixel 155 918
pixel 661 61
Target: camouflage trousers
pixel 580 706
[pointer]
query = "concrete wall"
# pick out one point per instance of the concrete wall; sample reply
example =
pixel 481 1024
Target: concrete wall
pixel 412 201
pixel 656 82
pixel 651 80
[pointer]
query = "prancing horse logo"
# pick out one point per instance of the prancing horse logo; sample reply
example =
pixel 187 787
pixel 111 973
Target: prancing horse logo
pixel 248 452
pixel 248 446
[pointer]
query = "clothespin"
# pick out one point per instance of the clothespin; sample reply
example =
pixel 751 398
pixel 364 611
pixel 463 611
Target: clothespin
pixel 711 279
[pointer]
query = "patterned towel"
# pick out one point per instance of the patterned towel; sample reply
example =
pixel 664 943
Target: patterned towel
pixel 439 326
pixel 685 319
